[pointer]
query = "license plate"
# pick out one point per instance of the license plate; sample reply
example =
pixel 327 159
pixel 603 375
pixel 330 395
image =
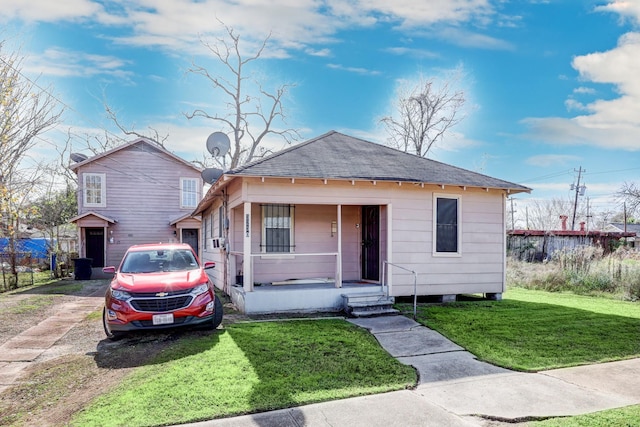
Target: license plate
pixel 162 319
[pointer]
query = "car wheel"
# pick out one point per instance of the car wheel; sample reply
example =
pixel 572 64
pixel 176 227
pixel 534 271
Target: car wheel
pixel 112 335
pixel 217 313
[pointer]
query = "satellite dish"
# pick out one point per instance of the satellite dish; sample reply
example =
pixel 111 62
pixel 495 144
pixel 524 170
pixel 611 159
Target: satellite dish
pixel 218 144
pixel 210 175
pixel 78 157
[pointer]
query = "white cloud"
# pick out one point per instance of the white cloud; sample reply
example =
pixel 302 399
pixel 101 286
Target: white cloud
pixel 48 11
pixel 626 8
pixel 293 25
pixel 547 160
pixel 356 70
pixel 65 63
pixel 411 13
pixel 608 123
pixel 584 90
pixel 415 53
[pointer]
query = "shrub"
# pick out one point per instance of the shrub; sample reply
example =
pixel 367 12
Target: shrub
pixel 582 271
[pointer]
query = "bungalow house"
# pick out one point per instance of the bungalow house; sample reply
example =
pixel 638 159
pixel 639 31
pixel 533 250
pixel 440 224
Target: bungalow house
pixel 337 216
pixel 135 193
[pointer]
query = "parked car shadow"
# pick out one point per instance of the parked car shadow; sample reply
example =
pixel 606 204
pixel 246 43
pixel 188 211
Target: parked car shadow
pixel 152 347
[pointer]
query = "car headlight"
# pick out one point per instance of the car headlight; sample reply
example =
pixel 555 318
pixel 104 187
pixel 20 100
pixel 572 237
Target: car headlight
pixel 120 295
pixel 200 289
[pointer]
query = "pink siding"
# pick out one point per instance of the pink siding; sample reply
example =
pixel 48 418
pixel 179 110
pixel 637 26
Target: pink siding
pixel 142 194
pixel 479 268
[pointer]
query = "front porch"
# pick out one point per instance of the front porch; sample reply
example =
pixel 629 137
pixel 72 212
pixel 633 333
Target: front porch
pixel 300 297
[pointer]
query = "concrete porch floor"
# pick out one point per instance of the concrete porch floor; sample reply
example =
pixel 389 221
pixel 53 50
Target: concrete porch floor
pixel 300 297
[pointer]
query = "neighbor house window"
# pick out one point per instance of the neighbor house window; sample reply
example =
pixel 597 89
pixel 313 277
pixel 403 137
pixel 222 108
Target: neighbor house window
pixel 221 221
pixel 446 225
pixel 277 228
pixel 189 192
pixel 94 185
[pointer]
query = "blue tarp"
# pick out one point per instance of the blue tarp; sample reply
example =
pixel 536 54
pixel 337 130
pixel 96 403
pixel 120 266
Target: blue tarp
pixel 38 248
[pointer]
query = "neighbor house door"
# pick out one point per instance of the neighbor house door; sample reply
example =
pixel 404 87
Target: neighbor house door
pixel 371 242
pixel 94 238
pixel 190 236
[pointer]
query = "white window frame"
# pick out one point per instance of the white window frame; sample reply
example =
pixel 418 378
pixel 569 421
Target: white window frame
pixel 458 198
pixel 103 190
pixel 263 246
pixel 184 193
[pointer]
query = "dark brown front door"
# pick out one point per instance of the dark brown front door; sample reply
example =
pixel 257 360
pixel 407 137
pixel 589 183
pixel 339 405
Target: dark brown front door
pixel 94 238
pixel 190 236
pixel 371 242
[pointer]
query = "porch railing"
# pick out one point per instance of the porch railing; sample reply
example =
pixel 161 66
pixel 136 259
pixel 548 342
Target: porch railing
pixel 287 255
pixel 415 283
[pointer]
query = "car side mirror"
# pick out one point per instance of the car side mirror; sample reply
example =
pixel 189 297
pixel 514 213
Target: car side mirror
pixel 209 264
pixel 109 270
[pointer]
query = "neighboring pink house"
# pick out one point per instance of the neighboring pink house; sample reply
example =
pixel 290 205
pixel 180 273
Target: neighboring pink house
pixel 136 193
pixel 338 217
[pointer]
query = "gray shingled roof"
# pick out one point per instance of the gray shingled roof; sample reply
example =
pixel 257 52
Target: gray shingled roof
pixel 338 156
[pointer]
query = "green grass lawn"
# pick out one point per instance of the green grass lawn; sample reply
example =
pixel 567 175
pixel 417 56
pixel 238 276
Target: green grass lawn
pixel 623 417
pixel 536 330
pixel 251 367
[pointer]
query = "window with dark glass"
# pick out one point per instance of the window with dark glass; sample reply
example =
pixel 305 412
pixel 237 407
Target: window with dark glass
pixel 446 224
pixel 277 228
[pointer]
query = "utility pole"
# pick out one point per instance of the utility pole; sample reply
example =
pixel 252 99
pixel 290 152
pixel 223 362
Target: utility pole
pixel 578 190
pixel 512 214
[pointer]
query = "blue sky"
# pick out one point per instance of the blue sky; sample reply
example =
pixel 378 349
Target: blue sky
pixel 551 86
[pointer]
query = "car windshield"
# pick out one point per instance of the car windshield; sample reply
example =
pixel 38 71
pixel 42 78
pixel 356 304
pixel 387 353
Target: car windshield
pixel 156 260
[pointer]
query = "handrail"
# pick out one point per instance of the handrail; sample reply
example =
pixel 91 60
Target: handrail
pixel 415 284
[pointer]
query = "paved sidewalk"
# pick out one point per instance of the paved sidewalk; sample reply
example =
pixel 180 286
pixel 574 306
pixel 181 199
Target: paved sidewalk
pixel 19 352
pixel 455 389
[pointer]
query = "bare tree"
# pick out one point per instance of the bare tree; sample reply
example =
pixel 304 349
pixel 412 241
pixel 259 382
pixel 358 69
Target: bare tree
pixel 26 112
pixel 545 214
pixel 424 113
pixel 153 134
pixel 251 112
pixel 630 194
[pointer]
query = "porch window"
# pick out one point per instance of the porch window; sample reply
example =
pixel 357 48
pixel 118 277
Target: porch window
pixel 446 225
pixel 94 185
pixel 277 228
pixel 188 192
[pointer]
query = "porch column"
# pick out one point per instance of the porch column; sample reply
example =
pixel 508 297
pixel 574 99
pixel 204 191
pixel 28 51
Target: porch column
pixel 339 256
pixel 389 247
pixel 247 261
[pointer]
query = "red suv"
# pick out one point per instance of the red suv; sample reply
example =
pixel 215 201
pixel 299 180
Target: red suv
pixel 159 286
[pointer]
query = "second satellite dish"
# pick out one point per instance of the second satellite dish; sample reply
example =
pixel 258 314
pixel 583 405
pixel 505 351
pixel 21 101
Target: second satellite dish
pixel 210 175
pixel 218 144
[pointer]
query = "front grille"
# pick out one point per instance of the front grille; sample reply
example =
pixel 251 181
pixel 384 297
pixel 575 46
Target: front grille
pixel 153 294
pixel 156 305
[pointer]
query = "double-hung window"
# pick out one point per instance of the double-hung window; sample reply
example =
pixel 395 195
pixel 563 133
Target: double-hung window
pixel 446 225
pixel 188 192
pixel 94 189
pixel 277 228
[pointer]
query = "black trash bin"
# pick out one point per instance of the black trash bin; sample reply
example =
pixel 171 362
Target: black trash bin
pixel 82 268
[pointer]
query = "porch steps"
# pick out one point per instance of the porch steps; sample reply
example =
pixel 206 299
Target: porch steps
pixel 368 305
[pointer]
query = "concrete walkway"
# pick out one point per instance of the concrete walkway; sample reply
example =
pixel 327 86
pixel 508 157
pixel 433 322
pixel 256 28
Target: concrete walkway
pixel 455 389
pixel 19 352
